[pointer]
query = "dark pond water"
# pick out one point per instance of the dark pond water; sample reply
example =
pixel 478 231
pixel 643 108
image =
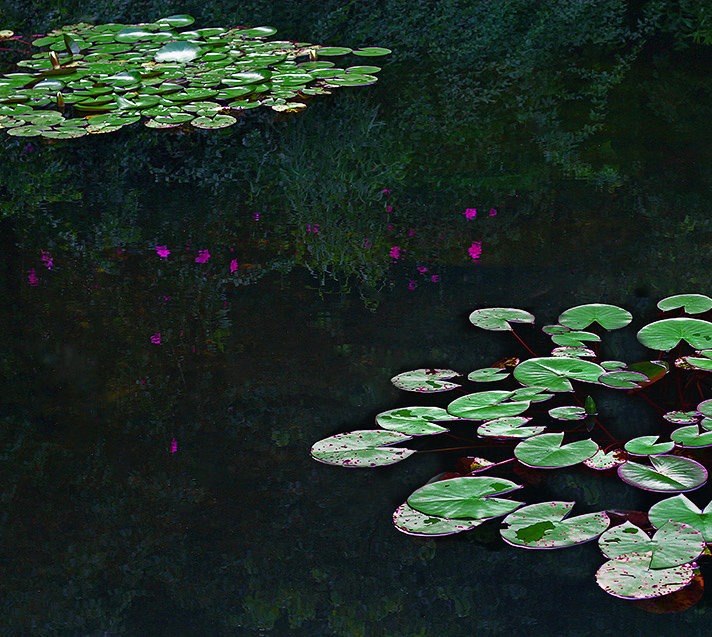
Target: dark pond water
pixel 158 411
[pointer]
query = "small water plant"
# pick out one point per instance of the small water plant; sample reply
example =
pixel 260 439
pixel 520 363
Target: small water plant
pixel 99 78
pixel 649 555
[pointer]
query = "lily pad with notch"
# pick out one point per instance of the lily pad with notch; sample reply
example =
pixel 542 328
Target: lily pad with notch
pixel 630 577
pixel 602 461
pixel 411 522
pixel 361 448
pixel 568 413
pixel 414 421
pixel 547 452
pixel 425 380
pixel 665 334
pixel 691 437
pixel 555 373
pixel 487 374
pixel 665 473
pixel 487 405
pixel 609 317
pixel 691 303
pixel 499 318
pixel 509 427
pixel 648 446
pixel 680 508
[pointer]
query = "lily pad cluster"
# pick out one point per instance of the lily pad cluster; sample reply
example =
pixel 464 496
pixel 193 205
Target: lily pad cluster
pixel 99 78
pixel 645 560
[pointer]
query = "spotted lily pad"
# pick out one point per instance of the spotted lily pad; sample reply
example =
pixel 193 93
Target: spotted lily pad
pixel 573 352
pixel 498 318
pixel 486 405
pixel 554 373
pixel 465 498
pixel 487 374
pixel 602 461
pixel 630 577
pixel 510 427
pixel 546 451
pixel 691 437
pixel 425 380
pixel 682 417
pixel 568 413
pixel 695 362
pixel 680 508
pixel 574 338
pixel 665 334
pixel 667 473
pixel 691 303
pixel 673 544
pixel 609 317
pixel 413 421
pixel 407 520
pixel 363 448
pixel 648 446
pixel 544 526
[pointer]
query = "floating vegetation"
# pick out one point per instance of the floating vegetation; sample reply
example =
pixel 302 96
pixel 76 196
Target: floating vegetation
pixel 649 555
pixel 99 78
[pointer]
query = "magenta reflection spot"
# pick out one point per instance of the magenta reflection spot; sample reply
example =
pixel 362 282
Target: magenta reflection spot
pixel 32 277
pixel 411 285
pixel 174 445
pixel 257 216
pixel 422 269
pixel 156 338
pixel 395 252
pixel 386 192
pixel 475 250
pixel 470 213
pixel 203 256
pixel 492 212
pixel 162 251
pixel 435 278
pixel 47 259
pixel 233 265
pixel 389 208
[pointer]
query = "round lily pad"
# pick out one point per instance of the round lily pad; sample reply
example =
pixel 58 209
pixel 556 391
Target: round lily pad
pixel 175 21
pixel 333 50
pixel 219 121
pixel 407 520
pixel 465 498
pixel 509 427
pixel 648 446
pixel 363 448
pixel 555 329
pixel 630 577
pixel 257 32
pixel 691 303
pixel 613 365
pixel 486 405
pixel 680 508
pixel 425 380
pixel 609 317
pixel 488 374
pixel 544 526
pixel 498 318
pixel 574 338
pixel 690 437
pixel 695 362
pixel 353 79
pixel 532 394
pixel 371 51
pixel 665 334
pixel 705 407
pixel 602 461
pixel 667 473
pixel 682 417
pixel 568 413
pixel 622 379
pixel 672 545
pixel 177 52
pixel 554 373
pixel 546 451
pixel 413 421
pixel 573 352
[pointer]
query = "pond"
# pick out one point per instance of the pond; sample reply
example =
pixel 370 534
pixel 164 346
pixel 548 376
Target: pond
pixel 188 311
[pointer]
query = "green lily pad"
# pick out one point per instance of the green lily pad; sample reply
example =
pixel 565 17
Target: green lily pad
pixel 532 394
pixel 568 413
pixel 363 448
pixel 544 526
pixel 486 405
pixel 613 365
pixel 413 421
pixel 407 520
pixel 682 417
pixel 648 446
pixel 465 498
pixel 133 34
pixel 554 373
pixel 371 51
pixel 705 408
pixel 574 338
pixel 555 329
pixel 546 451
pixel 609 317
pixel 691 437
pixel 175 21
pixel 680 508
pixel 353 79
pixel 219 121
pixel 667 473
pixel 488 374
pixel 498 318
pixel 665 334
pixel 622 379
pixel 508 427
pixel 257 32
pixel 177 52
pixel 363 70
pixel 425 380
pixel 691 303
pixel 573 352
pixel 66 133
pixel 602 461
pixel 333 50
pixel 630 577
pixel 25 131
pixel 704 364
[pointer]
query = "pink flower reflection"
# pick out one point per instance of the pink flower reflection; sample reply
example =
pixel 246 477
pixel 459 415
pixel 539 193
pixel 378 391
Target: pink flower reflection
pixel 32 277
pixel 386 192
pixel 233 265
pixel 162 251
pixel 475 250
pixel 411 285
pixel 470 213
pixel 156 338
pixel 422 269
pixel 174 445
pixel 203 256
pixel 492 212
pixel 435 278
pixel 395 252
pixel 47 259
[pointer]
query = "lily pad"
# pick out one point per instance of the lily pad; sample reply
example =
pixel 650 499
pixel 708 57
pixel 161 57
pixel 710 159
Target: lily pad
pixel 219 121
pixel 613 365
pixel 371 51
pixel 573 352
pixel 532 394
pixel 630 577
pixel 488 374
pixel 425 380
pixel 574 338
pixel 498 318
pixel 682 417
pixel 546 451
pixel 465 498
pixel 363 448
pixel 554 373
pixel 667 473
pixel 691 303
pixel 413 421
pixel 602 461
pixel 544 526
pixel 648 446
pixel 407 520
pixel 568 413
pixel 623 379
pixel 510 427
pixel 175 21
pixel 486 405
pixel 673 544
pixel 333 50
pixel 691 437
pixel 609 317
pixel 665 334
pixel 680 508
pixel 705 408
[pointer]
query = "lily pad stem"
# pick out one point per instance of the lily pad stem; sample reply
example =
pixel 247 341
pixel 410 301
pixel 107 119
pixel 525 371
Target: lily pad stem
pixel 523 343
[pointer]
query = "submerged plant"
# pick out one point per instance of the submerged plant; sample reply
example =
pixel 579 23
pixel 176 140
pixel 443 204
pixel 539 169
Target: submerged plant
pixel 98 78
pixel 649 555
